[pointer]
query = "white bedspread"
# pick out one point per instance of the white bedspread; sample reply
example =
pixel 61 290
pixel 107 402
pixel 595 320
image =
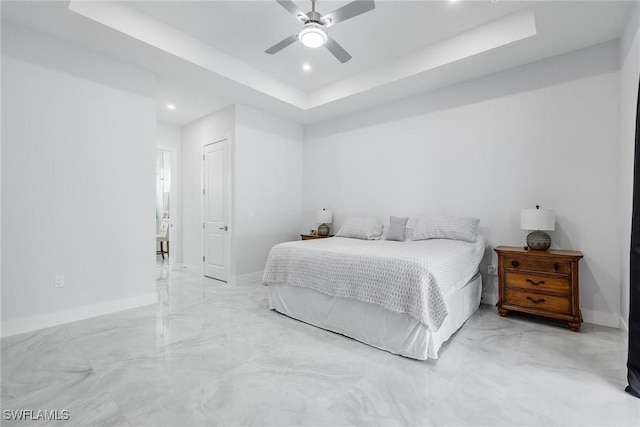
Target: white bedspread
pixel 404 277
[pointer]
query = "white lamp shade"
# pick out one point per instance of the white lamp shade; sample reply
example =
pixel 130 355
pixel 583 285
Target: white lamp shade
pixel 538 219
pixel 324 217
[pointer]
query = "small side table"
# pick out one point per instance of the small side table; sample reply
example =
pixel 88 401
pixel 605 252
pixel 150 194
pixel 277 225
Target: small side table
pixel 312 236
pixel 544 283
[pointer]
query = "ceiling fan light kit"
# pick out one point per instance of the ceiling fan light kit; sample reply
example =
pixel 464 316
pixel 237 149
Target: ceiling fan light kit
pixel 313 33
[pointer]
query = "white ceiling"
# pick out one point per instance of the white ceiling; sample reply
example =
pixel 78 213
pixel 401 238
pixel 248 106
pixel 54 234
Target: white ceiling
pixel 392 30
pixel 210 54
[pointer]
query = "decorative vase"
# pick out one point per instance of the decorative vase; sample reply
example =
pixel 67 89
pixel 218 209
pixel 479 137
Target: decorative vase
pixel 323 230
pixel 538 240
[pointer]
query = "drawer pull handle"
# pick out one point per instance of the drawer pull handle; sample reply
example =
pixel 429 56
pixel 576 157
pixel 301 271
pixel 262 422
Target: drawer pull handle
pixel 541 282
pixel 556 267
pixel 535 301
pixel 515 263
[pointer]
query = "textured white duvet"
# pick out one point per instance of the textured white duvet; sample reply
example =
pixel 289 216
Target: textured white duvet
pixel 404 277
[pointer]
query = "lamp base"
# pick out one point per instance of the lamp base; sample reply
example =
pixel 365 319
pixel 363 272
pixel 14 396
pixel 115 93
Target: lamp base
pixel 538 240
pixel 323 230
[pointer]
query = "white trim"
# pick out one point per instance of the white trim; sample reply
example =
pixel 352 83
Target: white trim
pixel 489 298
pixel 28 324
pixel 601 318
pixel 231 205
pixel 244 279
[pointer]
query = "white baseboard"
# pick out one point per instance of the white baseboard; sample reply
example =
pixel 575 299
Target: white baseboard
pixel 239 279
pixel 489 298
pixel 56 318
pixel 599 318
pixel 243 279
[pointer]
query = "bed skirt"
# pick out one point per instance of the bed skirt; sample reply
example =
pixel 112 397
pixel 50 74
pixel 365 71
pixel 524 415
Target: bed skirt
pixel 371 324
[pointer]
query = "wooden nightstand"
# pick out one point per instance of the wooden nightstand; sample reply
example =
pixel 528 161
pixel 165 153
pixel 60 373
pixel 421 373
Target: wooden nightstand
pixel 312 236
pixel 544 283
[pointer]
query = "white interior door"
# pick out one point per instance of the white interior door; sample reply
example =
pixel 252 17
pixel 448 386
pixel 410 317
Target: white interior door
pixel 216 231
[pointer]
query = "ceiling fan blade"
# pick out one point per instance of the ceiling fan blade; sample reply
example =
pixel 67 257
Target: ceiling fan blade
pixel 348 11
pixel 337 50
pixel 293 9
pixel 281 44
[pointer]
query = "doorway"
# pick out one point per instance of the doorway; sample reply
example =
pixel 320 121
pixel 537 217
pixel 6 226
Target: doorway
pixel 166 206
pixel 215 193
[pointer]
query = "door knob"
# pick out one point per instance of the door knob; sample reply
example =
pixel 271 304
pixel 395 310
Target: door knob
pixel 225 228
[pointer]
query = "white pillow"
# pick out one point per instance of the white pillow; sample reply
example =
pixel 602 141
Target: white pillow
pixel 361 228
pixel 446 227
pixel 408 233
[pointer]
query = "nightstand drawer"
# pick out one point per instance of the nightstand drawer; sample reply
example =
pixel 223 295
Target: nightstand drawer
pixel 545 302
pixel 537 265
pixel 538 283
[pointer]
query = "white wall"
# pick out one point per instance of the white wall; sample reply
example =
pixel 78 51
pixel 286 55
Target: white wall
pixel 545 133
pixel 268 186
pixel 629 71
pixel 78 141
pixel 195 136
pixel 168 135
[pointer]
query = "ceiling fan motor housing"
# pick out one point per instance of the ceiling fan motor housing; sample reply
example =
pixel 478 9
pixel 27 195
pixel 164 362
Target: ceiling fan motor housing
pixel 313 16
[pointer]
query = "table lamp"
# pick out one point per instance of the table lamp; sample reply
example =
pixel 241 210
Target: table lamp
pixel 324 217
pixel 537 220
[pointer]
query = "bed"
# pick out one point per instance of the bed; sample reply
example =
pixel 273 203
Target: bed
pixel 406 297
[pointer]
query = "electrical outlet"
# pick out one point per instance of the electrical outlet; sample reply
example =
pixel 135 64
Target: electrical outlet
pixel 492 270
pixel 58 282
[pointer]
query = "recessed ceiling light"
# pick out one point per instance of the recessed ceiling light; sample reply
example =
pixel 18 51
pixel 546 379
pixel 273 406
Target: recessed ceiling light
pixel 306 67
pixel 171 106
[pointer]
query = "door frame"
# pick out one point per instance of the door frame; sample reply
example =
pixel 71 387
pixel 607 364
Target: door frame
pixel 230 169
pixel 174 206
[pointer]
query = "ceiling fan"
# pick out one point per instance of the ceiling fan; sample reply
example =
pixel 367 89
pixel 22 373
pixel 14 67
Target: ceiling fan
pixel 313 33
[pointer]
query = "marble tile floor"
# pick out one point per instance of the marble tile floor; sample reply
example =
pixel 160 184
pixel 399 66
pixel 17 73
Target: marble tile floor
pixel 213 354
